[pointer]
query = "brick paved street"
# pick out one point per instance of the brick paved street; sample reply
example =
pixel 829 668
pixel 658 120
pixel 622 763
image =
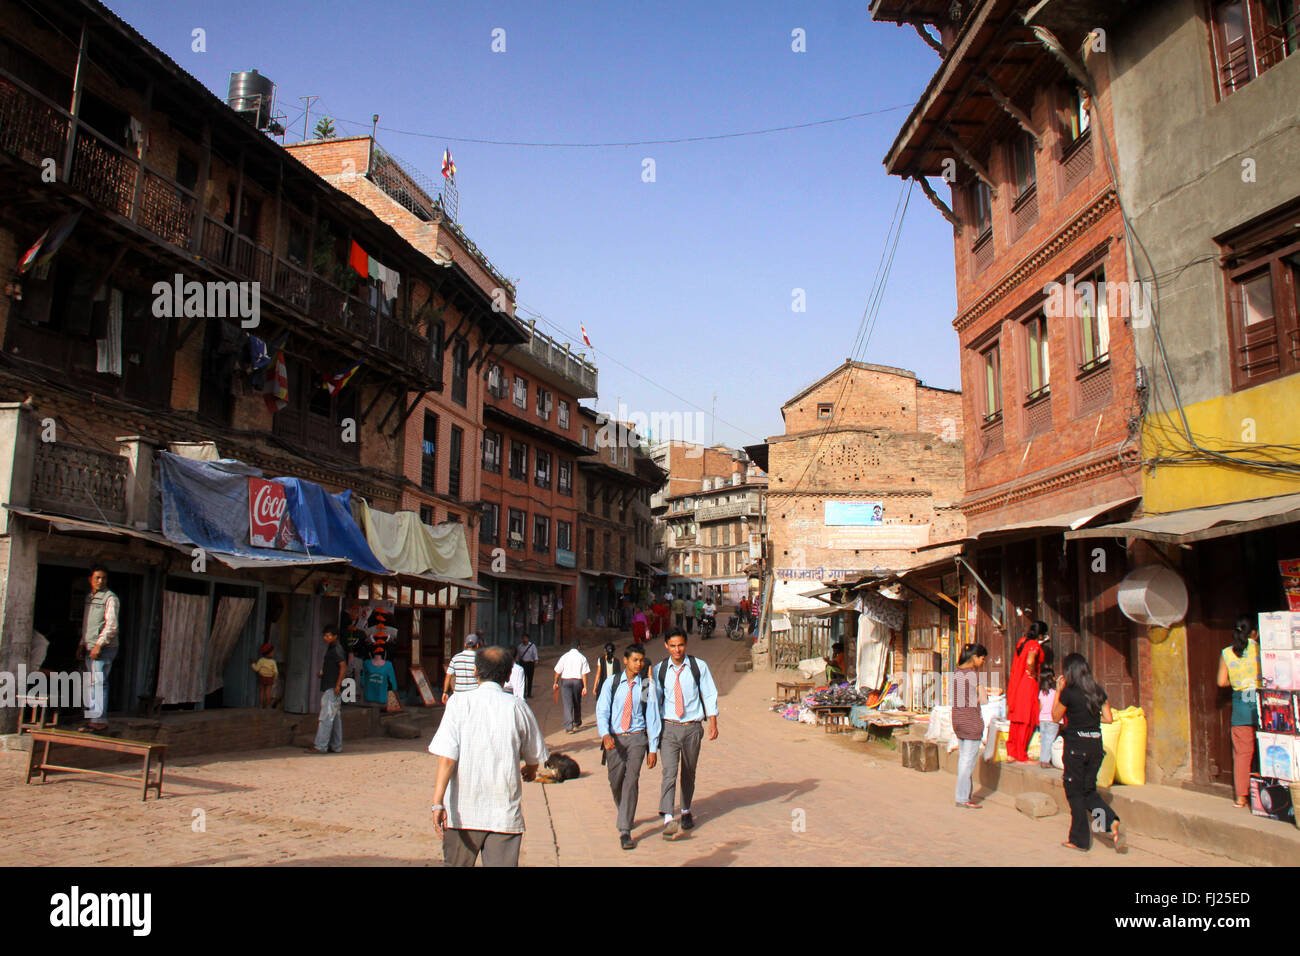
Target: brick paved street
pixel 369 806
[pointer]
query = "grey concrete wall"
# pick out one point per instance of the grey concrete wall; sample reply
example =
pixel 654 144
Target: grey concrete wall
pixel 1180 153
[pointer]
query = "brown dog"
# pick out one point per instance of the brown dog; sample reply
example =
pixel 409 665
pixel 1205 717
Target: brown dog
pixel 559 768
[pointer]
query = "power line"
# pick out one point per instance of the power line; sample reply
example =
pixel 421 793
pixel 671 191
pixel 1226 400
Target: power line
pixel 642 142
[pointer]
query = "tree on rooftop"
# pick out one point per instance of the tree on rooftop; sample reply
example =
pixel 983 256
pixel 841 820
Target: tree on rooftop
pixel 325 128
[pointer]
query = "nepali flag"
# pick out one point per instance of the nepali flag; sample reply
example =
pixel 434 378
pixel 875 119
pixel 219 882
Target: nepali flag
pixel 277 385
pixel 334 383
pixel 448 165
pixel 584 336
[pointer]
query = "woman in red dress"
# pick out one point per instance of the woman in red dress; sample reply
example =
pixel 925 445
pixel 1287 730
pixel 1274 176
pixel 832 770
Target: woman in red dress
pixel 1022 691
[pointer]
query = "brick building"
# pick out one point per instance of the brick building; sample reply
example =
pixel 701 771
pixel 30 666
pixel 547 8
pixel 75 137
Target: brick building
pixel 531 446
pixel 614 521
pixel 471 309
pixel 155 180
pixel 1049 388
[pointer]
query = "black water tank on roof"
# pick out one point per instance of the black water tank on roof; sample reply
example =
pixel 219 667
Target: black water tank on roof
pixel 250 96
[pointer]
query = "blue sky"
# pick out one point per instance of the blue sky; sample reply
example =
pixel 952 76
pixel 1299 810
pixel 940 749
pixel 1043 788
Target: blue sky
pixel 688 280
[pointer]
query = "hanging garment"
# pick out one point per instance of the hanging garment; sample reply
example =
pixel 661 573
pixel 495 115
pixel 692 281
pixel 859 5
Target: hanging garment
pixel 232 615
pixel 873 652
pixel 277 385
pixel 108 350
pixel 359 260
pixel 180 652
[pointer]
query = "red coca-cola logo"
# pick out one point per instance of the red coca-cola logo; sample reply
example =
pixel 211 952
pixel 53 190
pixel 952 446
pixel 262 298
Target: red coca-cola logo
pixel 266 504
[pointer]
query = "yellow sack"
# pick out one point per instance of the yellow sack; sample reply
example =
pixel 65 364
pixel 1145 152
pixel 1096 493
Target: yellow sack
pixel 1035 746
pixel 1109 742
pixel 1131 751
pixel 1000 754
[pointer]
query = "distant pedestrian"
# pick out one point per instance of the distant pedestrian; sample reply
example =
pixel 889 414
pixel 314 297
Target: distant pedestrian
pixel 526 657
pixel 483 738
pixel 1083 704
pixel 606 665
pixel 1048 729
pixel 267 671
pixel 518 682
pixel 627 716
pixel 571 672
pixel 679 613
pixel 687 697
pixel 639 625
pixel 698 607
pixel 329 731
pixel 1239 669
pixel 967 718
pixel 460 670
pixel 99 644
pixel 1022 691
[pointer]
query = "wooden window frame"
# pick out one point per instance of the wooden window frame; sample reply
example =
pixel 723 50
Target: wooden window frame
pixel 1036 322
pixel 522 515
pixel 492 463
pixel 542 523
pixel 542 476
pixel 1023 191
pixel 981 227
pixel 522 473
pixel 520 380
pixel 1263 44
pixel 489 531
pixel 994 345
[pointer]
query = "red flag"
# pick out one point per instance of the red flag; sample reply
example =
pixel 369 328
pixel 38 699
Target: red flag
pixel 359 261
pixel 448 165
pixel 334 383
pixel 277 386
pixel 584 336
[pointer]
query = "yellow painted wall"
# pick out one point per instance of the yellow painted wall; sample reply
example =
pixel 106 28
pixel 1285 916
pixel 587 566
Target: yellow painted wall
pixel 1266 414
pixel 1169 729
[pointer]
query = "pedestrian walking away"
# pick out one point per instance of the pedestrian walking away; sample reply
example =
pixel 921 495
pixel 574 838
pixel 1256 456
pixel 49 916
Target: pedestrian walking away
pixel 679 613
pixel 329 731
pixel 967 719
pixel 606 665
pixel 526 657
pixel 484 737
pixel 627 717
pixel 1239 669
pixel 100 627
pixel 518 682
pixel 687 697
pixel 460 670
pixel 571 672
pixel 1083 704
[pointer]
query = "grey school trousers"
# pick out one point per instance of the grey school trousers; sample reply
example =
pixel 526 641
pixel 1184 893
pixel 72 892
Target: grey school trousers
pixel 624 766
pixel 680 745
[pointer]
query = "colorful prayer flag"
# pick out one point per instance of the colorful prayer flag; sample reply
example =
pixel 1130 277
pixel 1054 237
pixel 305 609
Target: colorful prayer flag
pixel 43 250
pixel 448 165
pixel 334 383
pixel 277 386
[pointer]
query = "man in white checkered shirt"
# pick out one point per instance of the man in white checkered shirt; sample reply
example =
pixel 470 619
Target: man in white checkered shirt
pixel 484 736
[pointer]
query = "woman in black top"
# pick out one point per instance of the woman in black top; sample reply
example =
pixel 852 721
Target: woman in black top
pixel 1083 704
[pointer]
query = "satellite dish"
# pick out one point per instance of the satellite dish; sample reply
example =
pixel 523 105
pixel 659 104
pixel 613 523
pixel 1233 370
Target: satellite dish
pixel 1154 595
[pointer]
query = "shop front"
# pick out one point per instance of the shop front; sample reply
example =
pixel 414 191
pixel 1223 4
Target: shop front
pixel 524 603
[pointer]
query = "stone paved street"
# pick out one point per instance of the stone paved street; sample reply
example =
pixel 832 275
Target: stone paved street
pixel 369 806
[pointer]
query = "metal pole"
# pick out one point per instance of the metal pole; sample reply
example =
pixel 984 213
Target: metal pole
pixel 307 113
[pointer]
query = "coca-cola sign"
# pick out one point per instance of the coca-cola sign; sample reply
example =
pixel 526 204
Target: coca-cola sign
pixel 269 525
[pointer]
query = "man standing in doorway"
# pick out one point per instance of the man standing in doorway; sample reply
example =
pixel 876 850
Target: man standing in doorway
pixel 329 732
pixel 460 670
pixel 99 645
pixel 484 736
pixel 571 672
pixel 687 696
pixel 526 657
pixel 627 716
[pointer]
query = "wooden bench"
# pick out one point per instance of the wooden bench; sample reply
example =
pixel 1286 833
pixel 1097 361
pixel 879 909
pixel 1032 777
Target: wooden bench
pixel 40 710
pixel 834 718
pixel 792 690
pixel 147 751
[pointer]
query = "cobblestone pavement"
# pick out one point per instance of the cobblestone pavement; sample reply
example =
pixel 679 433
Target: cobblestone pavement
pixel 370 806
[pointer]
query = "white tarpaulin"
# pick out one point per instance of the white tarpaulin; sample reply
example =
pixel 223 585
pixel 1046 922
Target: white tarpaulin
pixel 873 653
pixel 404 543
pixel 788 595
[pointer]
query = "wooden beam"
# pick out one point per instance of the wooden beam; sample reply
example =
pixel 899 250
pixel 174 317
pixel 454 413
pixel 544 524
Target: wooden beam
pixel 1015 112
pixel 373 402
pixel 391 408
pixel 931 41
pixel 407 414
pixel 964 154
pixel 201 188
pixel 1057 49
pixel 78 85
pixel 938 203
pixel 140 151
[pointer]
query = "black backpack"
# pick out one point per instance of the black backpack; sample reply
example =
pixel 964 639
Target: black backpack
pixel 695 672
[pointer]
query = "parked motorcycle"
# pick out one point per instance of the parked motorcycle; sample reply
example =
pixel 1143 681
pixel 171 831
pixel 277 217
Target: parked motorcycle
pixel 737 628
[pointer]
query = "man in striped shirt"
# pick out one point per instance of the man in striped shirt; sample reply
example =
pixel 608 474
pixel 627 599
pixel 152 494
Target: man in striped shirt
pixel 460 670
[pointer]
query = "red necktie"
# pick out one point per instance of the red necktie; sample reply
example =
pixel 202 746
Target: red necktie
pixel 627 709
pixel 677 693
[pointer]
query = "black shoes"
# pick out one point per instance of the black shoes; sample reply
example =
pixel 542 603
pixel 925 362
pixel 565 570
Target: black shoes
pixel 688 822
pixel 625 841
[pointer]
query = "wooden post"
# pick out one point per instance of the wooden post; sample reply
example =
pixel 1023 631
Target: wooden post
pixel 938 203
pixel 1014 111
pixel 239 198
pixel 78 85
pixel 201 188
pixel 140 151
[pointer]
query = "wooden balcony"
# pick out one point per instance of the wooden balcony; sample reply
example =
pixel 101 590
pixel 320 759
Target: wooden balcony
pixel 33 128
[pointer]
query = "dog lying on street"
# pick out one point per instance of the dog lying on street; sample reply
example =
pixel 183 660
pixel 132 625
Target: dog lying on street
pixel 559 768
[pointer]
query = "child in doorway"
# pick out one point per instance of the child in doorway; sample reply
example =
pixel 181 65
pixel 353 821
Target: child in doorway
pixel 1048 729
pixel 267 672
